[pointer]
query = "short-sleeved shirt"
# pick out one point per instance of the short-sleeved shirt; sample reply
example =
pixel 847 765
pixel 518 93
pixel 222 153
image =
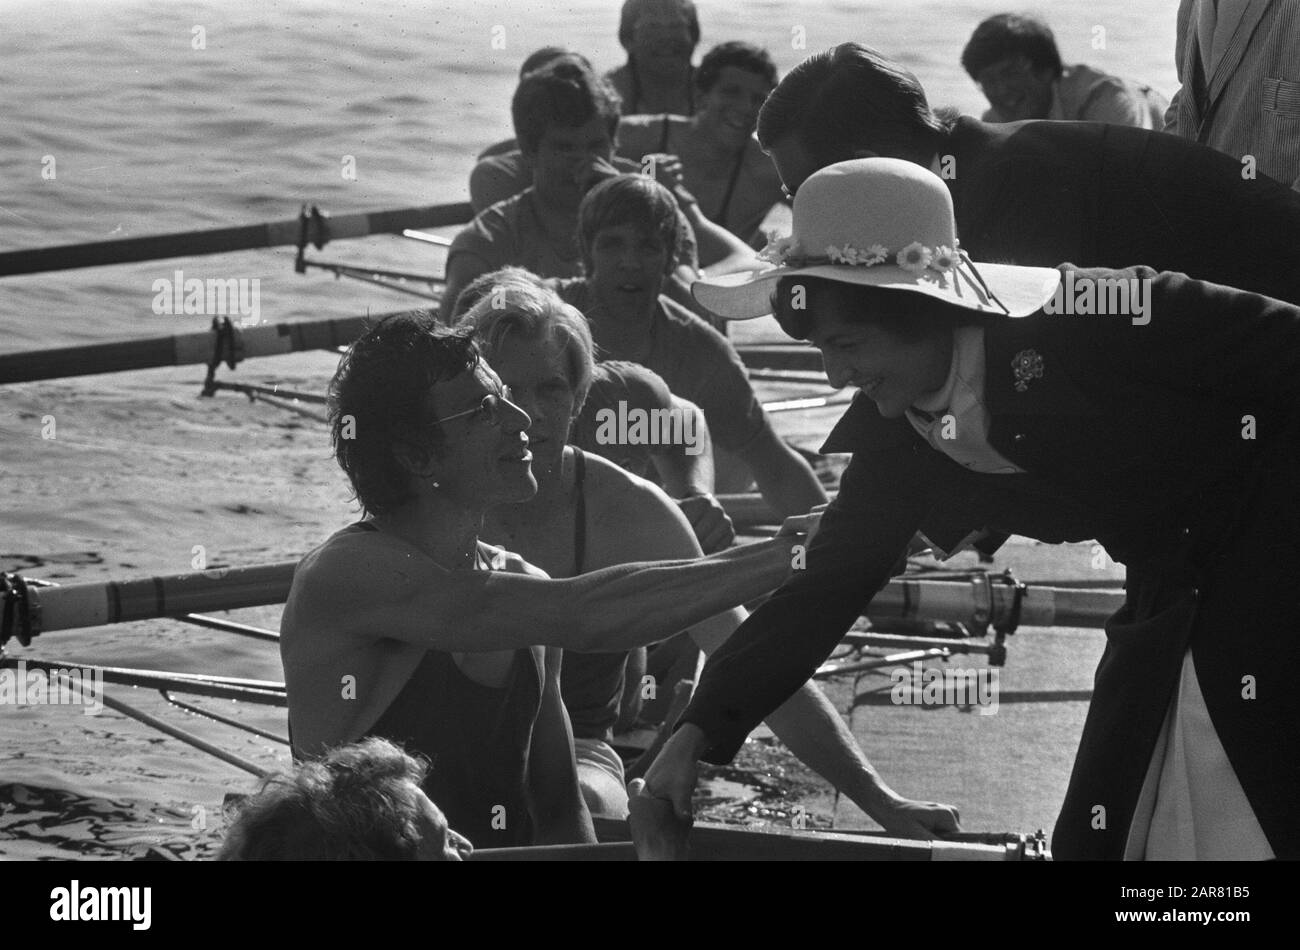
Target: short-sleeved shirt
pixel 633 385
pixel 1084 94
pixel 698 363
pixel 511 232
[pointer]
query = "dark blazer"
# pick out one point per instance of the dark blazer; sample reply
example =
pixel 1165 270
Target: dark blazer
pixel 1113 196
pixel 1133 436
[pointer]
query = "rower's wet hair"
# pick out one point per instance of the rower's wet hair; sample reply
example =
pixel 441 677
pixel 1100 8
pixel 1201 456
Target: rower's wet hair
pixel 379 398
pixel 515 304
pixel 848 98
pixel 908 317
pixel 630 199
pixel 357 803
pixel 564 94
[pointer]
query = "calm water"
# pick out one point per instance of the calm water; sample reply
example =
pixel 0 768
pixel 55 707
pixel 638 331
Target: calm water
pixel 149 135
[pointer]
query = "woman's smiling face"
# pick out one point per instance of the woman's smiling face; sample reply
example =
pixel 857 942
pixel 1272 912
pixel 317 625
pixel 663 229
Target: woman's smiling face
pixel 893 372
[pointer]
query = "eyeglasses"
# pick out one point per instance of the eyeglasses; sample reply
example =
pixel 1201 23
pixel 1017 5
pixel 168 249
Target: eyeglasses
pixel 490 407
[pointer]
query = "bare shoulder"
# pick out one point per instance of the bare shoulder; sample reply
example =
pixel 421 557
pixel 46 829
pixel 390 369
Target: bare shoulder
pixel 631 519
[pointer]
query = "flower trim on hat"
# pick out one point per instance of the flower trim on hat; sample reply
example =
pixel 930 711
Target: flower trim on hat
pixel 915 257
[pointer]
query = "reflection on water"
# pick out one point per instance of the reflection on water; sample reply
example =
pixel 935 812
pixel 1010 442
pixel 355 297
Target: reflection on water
pixel 45 823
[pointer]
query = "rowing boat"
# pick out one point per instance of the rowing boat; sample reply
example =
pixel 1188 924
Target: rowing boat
pixel 980 609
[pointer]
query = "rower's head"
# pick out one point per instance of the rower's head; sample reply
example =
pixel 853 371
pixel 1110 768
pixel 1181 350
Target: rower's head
pixel 893 345
pixel 660 36
pixel 565 117
pixel 360 802
pixel 732 82
pixel 1015 62
pixel 847 102
pixel 414 410
pixel 629 232
pixel 547 55
pixel 542 349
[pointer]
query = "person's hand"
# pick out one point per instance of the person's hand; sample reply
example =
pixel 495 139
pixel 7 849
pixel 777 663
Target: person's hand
pixel 709 520
pixel 806 525
pixel 669 172
pixel 592 172
pixel 657 833
pixel 675 771
pixel 905 818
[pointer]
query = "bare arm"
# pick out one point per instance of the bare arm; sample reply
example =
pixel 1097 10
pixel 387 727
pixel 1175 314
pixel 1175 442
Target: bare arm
pixel 787 482
pixel 368 587
pixel 807 722
pixel 555 799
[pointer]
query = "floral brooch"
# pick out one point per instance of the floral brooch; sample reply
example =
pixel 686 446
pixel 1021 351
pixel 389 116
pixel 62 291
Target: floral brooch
pixel 1026 365
pixel 915 257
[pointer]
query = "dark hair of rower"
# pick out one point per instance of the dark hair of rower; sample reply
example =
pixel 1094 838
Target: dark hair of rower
pixel 629 199
pixel 549 54
pixel 742 55
pixel 633 9
pixel 562 93
pixel 908 317
pixel 359 802
pixel 379 396
pixel 848 98
pixel 1008 35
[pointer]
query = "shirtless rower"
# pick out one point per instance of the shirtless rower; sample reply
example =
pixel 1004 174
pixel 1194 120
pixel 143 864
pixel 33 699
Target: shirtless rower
pixel 406 626
pixel 589 514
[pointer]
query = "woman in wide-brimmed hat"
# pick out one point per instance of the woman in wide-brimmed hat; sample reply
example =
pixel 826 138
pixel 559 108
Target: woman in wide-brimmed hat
pixel 1146 410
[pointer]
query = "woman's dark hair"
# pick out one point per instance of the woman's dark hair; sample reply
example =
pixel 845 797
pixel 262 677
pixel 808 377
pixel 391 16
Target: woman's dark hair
pixel 849 98
pixel 1008 35
pixel 629 199
pixel 745 56
pixel 378 399
pixel 907 316
pixel 561 93
pixel 357 803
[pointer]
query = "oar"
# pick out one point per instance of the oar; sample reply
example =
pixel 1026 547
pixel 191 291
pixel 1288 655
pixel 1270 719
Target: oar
pixel 273 339
pixel 314 228
pixel 106 602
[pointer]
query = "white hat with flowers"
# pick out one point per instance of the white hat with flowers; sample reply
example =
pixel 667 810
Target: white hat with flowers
pixel 879 222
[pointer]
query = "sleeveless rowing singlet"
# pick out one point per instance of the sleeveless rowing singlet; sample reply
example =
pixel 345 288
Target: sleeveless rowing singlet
pixel 476 737
pixel 590 683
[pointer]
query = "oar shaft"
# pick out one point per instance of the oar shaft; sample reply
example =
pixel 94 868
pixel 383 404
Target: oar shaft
pixel 91 605
pixel 98 603
pixel 158 247
pixel 182 349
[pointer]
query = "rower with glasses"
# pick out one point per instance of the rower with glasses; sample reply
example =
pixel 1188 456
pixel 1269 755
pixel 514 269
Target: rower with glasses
pixel 407 627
